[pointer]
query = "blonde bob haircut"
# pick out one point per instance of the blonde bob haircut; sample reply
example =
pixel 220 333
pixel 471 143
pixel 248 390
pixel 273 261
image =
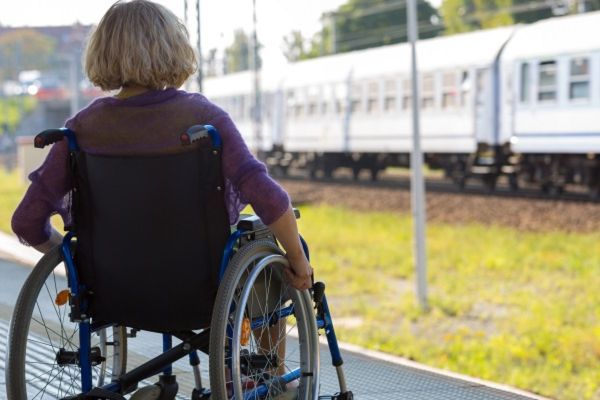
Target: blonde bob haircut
pixel 139 42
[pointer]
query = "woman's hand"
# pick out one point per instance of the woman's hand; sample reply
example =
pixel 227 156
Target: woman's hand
pixel 299 273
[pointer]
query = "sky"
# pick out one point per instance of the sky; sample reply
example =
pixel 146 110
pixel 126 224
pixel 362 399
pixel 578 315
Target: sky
pixel 219 18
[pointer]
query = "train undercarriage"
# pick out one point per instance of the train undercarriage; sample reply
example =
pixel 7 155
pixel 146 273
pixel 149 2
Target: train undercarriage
pixel 552 174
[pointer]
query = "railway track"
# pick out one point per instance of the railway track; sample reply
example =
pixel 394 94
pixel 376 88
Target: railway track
pixel 437 184
pixel 446 204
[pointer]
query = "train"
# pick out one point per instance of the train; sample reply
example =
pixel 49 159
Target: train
pixel 519 103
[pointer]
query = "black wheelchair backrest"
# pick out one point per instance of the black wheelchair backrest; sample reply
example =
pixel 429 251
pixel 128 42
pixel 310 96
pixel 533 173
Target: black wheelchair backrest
pixel 150 236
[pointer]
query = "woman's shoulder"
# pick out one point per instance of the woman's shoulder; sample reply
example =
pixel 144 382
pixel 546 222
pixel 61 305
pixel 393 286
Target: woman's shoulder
pixel 201 101
pixel 85 111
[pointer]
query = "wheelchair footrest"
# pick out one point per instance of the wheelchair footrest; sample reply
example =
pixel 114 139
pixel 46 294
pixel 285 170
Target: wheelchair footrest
pixel 97 394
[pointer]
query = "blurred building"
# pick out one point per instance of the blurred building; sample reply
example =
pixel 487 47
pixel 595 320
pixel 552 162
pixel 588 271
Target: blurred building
pixel 67 38
pixel 60 86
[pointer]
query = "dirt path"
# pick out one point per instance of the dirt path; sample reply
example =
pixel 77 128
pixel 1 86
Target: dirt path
pixel 525 214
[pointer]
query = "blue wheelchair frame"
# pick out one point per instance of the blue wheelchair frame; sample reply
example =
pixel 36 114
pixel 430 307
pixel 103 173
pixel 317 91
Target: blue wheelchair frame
pixel 163 363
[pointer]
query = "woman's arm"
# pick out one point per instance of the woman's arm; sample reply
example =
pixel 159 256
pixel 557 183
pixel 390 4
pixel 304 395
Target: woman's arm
pixel 44 197
pixel 55 240
pixel 270 202
pixel 286 231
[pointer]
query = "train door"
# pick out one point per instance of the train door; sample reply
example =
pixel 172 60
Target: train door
pixel 277 117
pixel 482 105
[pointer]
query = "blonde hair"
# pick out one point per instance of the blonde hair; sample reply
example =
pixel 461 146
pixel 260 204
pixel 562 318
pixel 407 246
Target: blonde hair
pixel 139 42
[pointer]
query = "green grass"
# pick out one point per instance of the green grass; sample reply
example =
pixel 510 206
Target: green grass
pixel 512 307
pixel 12 189
pixel 11 192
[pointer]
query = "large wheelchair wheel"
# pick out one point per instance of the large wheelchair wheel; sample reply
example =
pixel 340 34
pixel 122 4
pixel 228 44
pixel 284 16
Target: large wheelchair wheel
pixel 43 342
pixel 255 310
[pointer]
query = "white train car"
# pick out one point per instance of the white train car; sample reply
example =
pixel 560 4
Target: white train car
pixel 361 101
pixel 550 114
pixel 354 107
pixel 520 101
pixel 234 93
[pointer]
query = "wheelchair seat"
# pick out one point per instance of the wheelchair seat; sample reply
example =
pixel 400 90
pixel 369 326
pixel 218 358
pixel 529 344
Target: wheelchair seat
pixel 151 232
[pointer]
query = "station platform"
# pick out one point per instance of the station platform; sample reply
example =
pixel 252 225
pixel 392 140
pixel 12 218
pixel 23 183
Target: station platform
pixel 370 375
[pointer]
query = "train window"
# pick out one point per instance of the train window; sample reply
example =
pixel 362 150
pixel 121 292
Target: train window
pixel 524 83
pixel 291 103
pixel 389 99
pixel 449 93
pixel 338 106
pixel 356 97
pixel 245 105
pixel 313 95
pixel 328 96
pixel 298 109
pixel 372 97
pixel 249 109
pixel 406 94
pixel 428 89
pixel 465 88
pixel 579 85
pixel 228 105
pixel 547 81
pixel 235 112
pixel 267 104
pixel 340 97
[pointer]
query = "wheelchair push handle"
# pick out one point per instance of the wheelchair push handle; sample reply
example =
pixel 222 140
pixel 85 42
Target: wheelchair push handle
pixel 198 132
pixel 49 136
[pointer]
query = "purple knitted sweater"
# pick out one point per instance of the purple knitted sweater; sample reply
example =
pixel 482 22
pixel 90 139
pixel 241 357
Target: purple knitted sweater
pixel 147 124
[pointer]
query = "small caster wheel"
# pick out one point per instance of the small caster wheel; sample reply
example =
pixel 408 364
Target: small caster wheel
pixel 200 394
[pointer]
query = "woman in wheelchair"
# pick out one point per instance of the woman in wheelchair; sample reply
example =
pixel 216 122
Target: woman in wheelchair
pixel 148 182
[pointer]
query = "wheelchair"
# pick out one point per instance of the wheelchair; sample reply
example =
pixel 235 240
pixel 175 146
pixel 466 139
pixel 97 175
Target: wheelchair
pixel 197 282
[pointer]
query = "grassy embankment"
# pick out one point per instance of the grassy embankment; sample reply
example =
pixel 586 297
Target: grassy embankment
pixel 11 192
pixel 512 307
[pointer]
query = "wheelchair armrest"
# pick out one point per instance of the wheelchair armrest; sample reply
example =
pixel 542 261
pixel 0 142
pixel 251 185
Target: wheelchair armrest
pixel 253 223
pixel 250 223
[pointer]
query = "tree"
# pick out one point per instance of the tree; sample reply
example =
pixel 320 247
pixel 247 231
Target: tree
pixel 361 24
pixel 453 13
pixel 237 56
pixel 293 46
pixel 467 15
pixel 24 49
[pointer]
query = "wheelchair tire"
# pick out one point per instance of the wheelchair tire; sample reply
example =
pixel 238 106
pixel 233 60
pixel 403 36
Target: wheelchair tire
pixel 40 328
pixel 253 293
